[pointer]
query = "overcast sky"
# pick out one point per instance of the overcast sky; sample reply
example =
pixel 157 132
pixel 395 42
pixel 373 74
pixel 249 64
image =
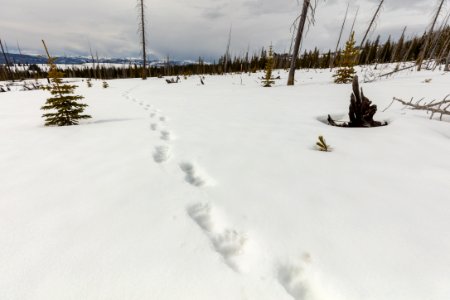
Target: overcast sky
pixel 187 29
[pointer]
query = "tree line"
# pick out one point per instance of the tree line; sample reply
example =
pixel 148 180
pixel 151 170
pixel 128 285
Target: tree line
pixel 372 52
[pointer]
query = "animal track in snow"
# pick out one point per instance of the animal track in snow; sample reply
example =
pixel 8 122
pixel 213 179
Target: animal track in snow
pixel 229 243
pixel 166 135
pixel 162 119
pixel 154 126
pixel 297 279
pixel 201 214
pixel 152 115
pixel 161 154
pixel 193 175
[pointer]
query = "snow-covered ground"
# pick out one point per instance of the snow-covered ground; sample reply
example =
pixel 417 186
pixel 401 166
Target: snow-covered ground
pixel 187 191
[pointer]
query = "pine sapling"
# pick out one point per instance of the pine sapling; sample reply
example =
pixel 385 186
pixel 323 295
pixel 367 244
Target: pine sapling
pixel 105 85
pixel 322 145
pixel 66 110
pixel 89 83
pixel 346 72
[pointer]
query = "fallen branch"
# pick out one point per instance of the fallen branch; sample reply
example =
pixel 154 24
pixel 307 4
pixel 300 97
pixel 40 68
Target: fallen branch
pixel 441 108
pixel 396 71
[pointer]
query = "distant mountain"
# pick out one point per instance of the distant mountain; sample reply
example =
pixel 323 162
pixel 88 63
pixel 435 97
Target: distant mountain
pixel 79 60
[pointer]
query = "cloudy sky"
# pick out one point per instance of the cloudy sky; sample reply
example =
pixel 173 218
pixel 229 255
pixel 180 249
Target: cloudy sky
pixel 187 29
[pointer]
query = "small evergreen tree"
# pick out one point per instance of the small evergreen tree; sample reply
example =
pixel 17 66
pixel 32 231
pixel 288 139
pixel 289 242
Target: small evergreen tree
pixel 267 81
pixel 89 83
pixel 68 109
pixel 322 145
pixel 105 85
pixel 346 72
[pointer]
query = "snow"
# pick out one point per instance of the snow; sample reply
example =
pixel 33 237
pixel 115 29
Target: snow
pixel 186 191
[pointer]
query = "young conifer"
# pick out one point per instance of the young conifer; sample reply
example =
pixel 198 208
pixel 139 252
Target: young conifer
pixel 346 72
pixel 267 81
pixel 64 104
pixel 322 145
pixel 105 85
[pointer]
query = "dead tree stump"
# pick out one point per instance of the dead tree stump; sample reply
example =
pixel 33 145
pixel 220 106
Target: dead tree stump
pixel 361 110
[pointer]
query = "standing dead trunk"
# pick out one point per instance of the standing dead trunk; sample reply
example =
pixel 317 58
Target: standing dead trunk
pixel 429 37
pixel 398 47
pixel 227 52
pixel 94 70
pixel 441 57
pixel 447 62
pixel 371 23
pixel 8 68
pixel 340 36
pixel 143 38
pixel 353 24
pixel 435 44
pixel 301 27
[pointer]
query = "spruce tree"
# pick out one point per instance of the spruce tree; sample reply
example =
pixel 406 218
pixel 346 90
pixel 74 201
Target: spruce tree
pixel 346 72
pixel 64 104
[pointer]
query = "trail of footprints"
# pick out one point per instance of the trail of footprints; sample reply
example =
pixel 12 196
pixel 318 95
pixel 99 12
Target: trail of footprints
pixel 231 244
pixel 163 152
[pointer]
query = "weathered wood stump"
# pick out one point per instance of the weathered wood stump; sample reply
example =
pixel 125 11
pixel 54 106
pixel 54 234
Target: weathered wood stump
pixel 361 110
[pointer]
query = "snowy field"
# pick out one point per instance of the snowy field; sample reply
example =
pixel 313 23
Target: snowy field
pixel 216 192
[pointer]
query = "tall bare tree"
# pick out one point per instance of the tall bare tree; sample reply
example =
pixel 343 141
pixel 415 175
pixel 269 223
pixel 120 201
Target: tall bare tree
pixel 142 22
pixel 8 68
pixel 434 45
pixel 353 24
pixel 93 62
pixel 398 46
pixel 340 36
pixel 447 62
pixel 298 40
pixel 372 22
pixel 227 51
pixel 424 50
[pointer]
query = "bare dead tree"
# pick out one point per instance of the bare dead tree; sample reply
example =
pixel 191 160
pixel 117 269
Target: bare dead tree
pixel 292 45
pixel 18 48
pixel 441 57
pixel 93 61
pixel 227 51
pixel 8 67
pixel 298 39
pixel 353 24
pixel 372 22
pixel 340 36
pixel 447 62
pixel 100 73
pixel 424 50
pixel 399 45
pixel 435 43
pixel 441 108
pixel 142 22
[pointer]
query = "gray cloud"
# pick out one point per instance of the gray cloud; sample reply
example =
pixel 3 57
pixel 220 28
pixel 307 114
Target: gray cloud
pixel 186 29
